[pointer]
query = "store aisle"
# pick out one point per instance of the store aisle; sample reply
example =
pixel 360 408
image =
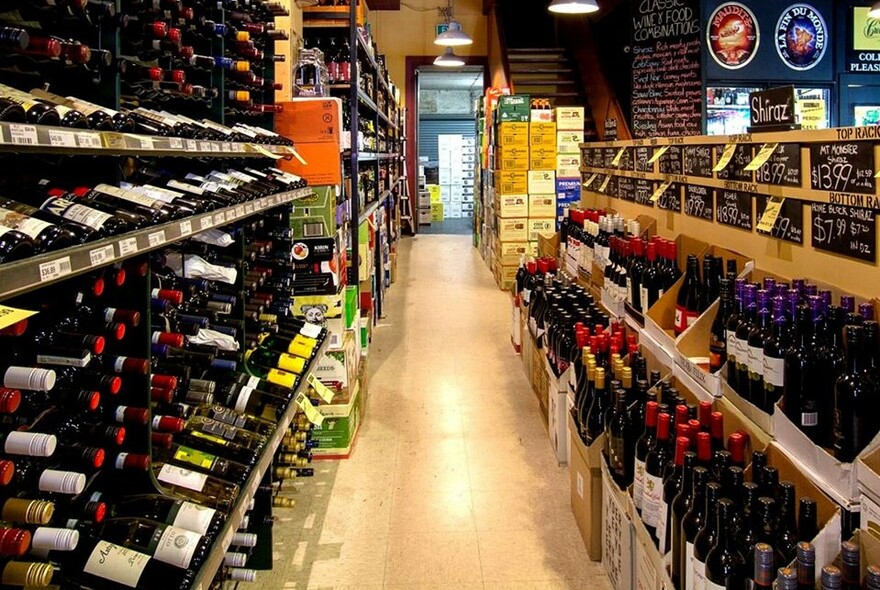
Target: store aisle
pixel 452 483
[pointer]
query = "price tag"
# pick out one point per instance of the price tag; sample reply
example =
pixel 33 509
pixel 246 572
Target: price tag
pixel 590 180
pixel 191 146
pixel 205 146
pixel 215 147
pixel 11 315
pixel 59 138
pixel 259 205
pixel 128 246
pixel 230 216
pixel 140 141
pixel 658 153
pixel 89 140
pixel 725 158
pixel 156 238
pixel 324 392
pixel 660 190
pixel 175 143
pixel 239 210
pixel 605 184
pixel 313 415
pixel 256 148
pixel 99 256
pixel 206 222
pixel 237 147
pixel 55 269
pixel 763 156
pixel 23 134
pixel 114 141
pixel 248 208
pixel 771 214
pixel 219 218
pixel 616 160
pixel 186 227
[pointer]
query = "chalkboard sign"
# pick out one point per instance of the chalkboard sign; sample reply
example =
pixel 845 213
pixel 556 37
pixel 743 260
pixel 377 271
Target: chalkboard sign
pixel 848 231
pixel 698 160
pixel 666 78
pixel 643 192
pixel 610 129
pixel 843 167
pixel 612 189
pixel 734 208
pixel 626 188
pixel 783 168
pixel 772 109
pixel 698 202
pixel 735 170
pixel 642 155
pixel 670 200
pixel 789 225
pixel 608 156
pixel 670 162
pixel 626 160
pixel 589 157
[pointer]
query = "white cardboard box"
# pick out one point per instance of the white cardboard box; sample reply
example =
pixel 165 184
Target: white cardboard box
pixel 617 534
pixel 542 181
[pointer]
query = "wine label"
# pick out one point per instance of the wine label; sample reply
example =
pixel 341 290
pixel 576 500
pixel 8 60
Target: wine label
pixel 302 346
pixel 639 484
pixel 155 192
pixel 27 225
pixel 713 586
pixel 75 212
pixel 117 564
pixel 228 416
pixel 242 400
pixel 189 188
pixel 64 361
pixel 129 196
pixel 310 330
pixel 756 363
pixel 184 478
pixel 699 574
pixel 253 382
pixel 210 438
pixel 281 378
pixel 643 295
pixel 292 364
pixel 689 567
pixel 662 522
pixel 680 322
pixel 652 499
pixel 195 457
pixel 176 546
pixel 742 353
pixel 774 371
pixel 731 347
pixel 192 517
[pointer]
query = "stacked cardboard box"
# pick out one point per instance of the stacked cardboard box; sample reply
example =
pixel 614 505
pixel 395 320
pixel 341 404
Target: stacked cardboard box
pixel 457 160
pixel 569 136
pixel 426 197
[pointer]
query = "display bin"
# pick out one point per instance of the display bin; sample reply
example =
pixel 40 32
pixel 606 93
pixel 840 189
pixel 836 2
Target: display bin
pixel 868 473
pixel 557 408
pixel 548 245
pixel 585 471
pixel 617 532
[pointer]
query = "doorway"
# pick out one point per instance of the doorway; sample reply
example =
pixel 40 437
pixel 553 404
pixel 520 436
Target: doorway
pixel 447 149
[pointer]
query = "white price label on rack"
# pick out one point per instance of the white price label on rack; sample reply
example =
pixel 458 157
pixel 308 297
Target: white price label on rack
pixel 59 138
pixel 23 134
pixel 205 146
pixel 99 256
pixel 89 140
pixel 55 269
pixel 219 218
pixel 186 227
pixel 237 147
pixel 191 146
pixel 248 208
pixel 156 238
pixel 215 147
pixel 259 205
pixel 239 210
pixel 206 222
pixel 230 215
pixel 176 143
pixel 128 246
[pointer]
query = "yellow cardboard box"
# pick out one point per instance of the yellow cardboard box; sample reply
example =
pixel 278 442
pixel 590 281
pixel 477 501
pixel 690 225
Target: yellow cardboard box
pixel 542 134
pixel 513 230
pixel 540 226
pixel 435 191
pixel 512 158
pixel 513 134
pixel 541 182
pixel 542 158
pixel 512 182
pixel 542 206
pixel 508 206
pixel 436 211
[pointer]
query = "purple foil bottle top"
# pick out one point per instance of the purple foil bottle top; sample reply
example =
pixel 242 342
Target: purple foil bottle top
pixel 815 304
pixel 866 310
pixel 848 303
pixel 826 297
pixel 763 299
pixel 769 284
pixel 799 285
pixel 811 290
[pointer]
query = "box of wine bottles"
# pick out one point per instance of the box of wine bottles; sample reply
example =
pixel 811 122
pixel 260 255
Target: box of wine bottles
pixel 335 436
pixel 617 533
pixel 338 369
pixel 513 230
pixel 585 473
pixel 319 214
pixel 512 182
pixel 513 135
pixel 542 135
pixel 570 118
pixel 508 206
pixel 540 226
pixel 569 141
pixel 542 157
pixel 510 253
pixel 512 158
pixel 869 483
pixel 542 205
pixel 514 108
pixel 568 166
pixel 541 181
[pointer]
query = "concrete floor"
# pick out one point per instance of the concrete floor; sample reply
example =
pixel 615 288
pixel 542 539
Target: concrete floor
pixel 452 483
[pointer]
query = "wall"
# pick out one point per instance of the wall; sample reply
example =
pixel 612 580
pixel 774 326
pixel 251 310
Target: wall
pixel 497 74
pixel 448 102
pixel 411 32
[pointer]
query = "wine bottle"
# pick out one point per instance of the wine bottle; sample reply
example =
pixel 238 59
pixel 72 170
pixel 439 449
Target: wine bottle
pixel 787 531
pixel 744 328
pixel 619 443
pixel 172 511
pixel 688 303
pixel 651 280
pixel 204 462
pixel 596 416
pixel 706 538
pixel 799 398
pixel 806 566
pixel 655 463
pixel 832 578
pixel 717 334
pixel 673 482
pixel 691 525
pixel 730 330
pixel 643 446
pixel 808 526
pixel 680 506
pixel 763 567
pixel 756 339
pixel 725 565
pixel 775 349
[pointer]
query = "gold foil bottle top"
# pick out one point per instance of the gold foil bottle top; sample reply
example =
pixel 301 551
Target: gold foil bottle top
pixel 627 377
pixel 284 473
pixel 279 502
pixel 27 511
pixel 586 353
pixel 600 378
pixel 27 573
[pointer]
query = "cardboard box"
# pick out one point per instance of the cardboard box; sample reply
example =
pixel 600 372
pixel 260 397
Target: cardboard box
pixel 512 182
pixel 505 275
pixel 424 216
pixel 319 214
pixel 585 472
pixel 510 253
pixel 336 435
pixel 337 312
pixel 548 245
pixel 513 135
pixel 424 199
pixel 315 126
pixel 437 212
pixel 514 108
pixel 542 158
pixel 557 408
pixel 568 166
pixel 568 190
pixel 511 205
pixel 538 227
pixel 569 142
pixel 541 116
pixel 435 191
pixel 617 533
pixel 542 205
pixel 541 182
pixel 570 118
pixel 542 135
pixel 338 369
pixel 513 229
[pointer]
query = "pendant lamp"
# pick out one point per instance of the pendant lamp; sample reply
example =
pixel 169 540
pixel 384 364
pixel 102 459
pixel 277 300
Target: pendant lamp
pixel 453 36
pixel 448 59
pixel 573 6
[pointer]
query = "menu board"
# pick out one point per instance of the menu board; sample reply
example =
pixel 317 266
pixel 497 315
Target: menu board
pixel 848 231
pixel 642 155
pixel 789 226
pixel 783 168
pixel 612 189
pixel 698 160
pixel 735 170
pixel 670 162
pixel 589 157
pixel 626 188
pixel 626 160
pixel 734 208
pixel 670 200
pixel 608 155
pixel 666 79
pixel 698 202
pixel 843 167
pixel 643 192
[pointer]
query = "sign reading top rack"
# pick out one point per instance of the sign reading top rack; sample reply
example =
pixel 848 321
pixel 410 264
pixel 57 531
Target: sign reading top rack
pixel 773 110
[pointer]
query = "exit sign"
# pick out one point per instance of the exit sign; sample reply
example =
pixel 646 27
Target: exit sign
pixel 442 28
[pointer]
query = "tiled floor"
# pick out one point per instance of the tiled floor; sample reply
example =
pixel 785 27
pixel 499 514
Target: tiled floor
pixel 452 484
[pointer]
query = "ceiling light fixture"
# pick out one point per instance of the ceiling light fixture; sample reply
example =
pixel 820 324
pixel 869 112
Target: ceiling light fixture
pixel 453 36
pixel 573 6
pixel 875 10
pixel 448 59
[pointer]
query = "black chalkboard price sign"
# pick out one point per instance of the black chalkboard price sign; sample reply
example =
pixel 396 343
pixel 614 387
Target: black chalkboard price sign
pixel 734 208
pixel 608 156
pixel 698 202
pixel 843 167
pixel 626 188
pixel 697 160
pixel 848 231
pixel 670 162
pixel 670 200
pixel 783 168
pixel 789 226
pixel 735 170
pixel 643 192
pixel 642 155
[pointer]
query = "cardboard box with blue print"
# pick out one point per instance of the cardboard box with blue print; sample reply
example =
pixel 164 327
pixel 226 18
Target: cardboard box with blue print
pixel 568 190
pixel 338 369
pixel 335 436
pixel 336 312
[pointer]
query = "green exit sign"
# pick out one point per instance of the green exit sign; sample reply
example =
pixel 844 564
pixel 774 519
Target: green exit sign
pixel 442 28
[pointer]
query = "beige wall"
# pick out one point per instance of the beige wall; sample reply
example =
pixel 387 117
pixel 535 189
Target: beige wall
pixel 411 32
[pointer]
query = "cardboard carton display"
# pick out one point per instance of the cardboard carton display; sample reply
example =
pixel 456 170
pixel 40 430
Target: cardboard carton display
pixel 511 182
pixel 314 124
pixel 570 118
pixel 541 181
pixel 585 471
pixel 336 435
pixel 508 206
pixel 537 227
pixel 617 533
pixel 514 108
pixel 513 230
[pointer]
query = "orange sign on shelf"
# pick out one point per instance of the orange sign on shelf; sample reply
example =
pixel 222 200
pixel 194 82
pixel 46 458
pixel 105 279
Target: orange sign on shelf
pixel 315 126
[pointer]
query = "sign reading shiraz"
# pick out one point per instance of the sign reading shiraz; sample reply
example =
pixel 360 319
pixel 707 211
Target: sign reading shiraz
pixel 843 167
pixel 848 231
pixel 734 208
pixel 789 225
pixel 698 202
pixel 772 109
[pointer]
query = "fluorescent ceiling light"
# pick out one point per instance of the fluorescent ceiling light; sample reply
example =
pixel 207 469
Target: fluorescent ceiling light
pixel 449 59
pixel 573 6
pixel 453 36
